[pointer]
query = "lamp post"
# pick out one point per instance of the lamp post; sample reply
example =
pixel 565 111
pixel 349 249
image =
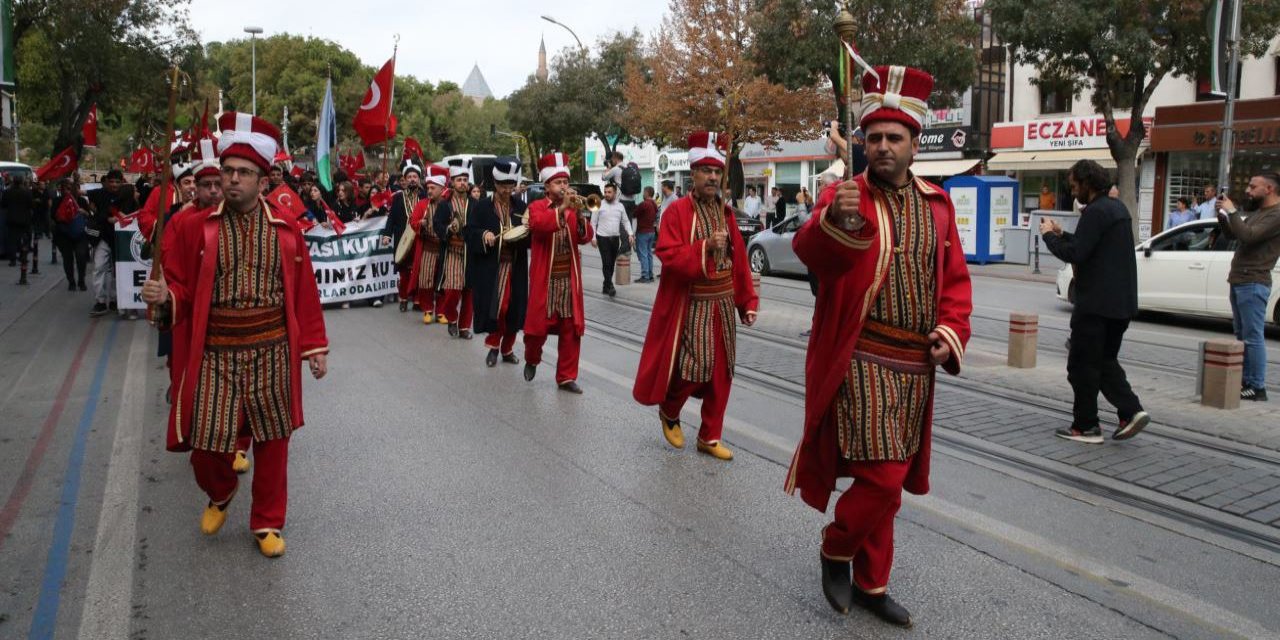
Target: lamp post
pixel 253 47
pixel 566 28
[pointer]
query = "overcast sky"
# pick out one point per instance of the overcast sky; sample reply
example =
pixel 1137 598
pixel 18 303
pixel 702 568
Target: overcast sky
pixel 438 40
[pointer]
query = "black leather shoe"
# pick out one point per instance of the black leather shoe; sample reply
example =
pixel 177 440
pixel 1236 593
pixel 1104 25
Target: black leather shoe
pixel 837 583
pixel 491 360
pixel 530 370
pixel 883 607
pixel 511 358
pixel 571 387
pixel 465 334
pixel 404 306
pixel 453 329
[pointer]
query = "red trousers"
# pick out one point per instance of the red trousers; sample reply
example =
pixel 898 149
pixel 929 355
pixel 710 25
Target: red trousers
pixel 714 394
pixel 427 299
pixel 503 340
pixel 408 282
pixel 863 528
pixel 270 481
pixel 568 347
pixel 458 307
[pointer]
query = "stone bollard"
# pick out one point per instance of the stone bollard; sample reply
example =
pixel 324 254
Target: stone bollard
pixel 1223 369
pixel 755 282
pixel 1024 333
pixel 622 270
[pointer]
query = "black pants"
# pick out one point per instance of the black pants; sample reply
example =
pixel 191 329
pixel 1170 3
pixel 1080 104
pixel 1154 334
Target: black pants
pixel 75 256
pixel 1092 366
pixel 19 241
pixel 608 255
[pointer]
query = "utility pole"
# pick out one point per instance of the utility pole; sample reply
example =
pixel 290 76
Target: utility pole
pixel 1229 107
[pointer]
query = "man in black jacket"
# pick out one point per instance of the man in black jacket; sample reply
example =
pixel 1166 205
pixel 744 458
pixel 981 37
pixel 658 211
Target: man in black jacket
pixel 1101 253
pixel 17 204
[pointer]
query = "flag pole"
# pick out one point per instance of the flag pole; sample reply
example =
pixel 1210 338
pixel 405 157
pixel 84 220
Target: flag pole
pixel 391 104
pixel 166 184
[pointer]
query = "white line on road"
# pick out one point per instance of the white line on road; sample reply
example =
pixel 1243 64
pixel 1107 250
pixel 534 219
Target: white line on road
pixel 109 593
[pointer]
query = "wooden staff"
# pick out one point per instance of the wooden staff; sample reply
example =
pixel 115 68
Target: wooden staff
pixel 157 312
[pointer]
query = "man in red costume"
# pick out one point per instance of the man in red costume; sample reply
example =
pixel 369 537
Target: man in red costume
pixel 555 275
pixel 402 205
pixel 426 250
pixel 706 285
pixel 450 219
pixel 499 268
pixel 894 304
pixel 183 177
pixel 242 300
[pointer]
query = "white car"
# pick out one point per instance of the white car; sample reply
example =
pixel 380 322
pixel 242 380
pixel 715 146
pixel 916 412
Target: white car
pixel 1184 270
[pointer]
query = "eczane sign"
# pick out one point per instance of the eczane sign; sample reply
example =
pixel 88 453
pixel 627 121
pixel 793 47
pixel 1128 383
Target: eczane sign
pixel 1089 132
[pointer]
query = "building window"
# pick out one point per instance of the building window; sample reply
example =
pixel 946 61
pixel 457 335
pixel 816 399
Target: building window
pixel 1055 97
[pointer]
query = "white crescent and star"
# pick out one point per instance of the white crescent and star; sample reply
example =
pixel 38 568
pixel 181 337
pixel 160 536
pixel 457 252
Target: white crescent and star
pixel 66 162
pixel 375 96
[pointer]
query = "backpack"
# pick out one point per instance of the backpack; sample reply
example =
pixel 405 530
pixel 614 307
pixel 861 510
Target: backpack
pixel 630 179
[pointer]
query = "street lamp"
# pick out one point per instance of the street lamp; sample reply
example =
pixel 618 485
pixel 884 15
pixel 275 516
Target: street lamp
pixel 566 28
pixel 253 38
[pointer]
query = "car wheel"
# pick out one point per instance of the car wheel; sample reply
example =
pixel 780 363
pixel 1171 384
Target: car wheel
pixel 759 261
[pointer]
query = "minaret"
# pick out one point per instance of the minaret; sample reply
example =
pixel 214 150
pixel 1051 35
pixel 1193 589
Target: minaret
pixel 542 61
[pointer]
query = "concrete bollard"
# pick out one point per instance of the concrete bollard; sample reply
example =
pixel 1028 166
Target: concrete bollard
pixel 755 282
pixel 1024 334
pixel 1223 369
pixel 622 270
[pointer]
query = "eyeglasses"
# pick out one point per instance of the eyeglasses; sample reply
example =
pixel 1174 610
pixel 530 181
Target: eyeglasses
pixel 244 173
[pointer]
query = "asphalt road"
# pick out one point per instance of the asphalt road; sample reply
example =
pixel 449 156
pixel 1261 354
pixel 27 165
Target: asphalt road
pixel 431 497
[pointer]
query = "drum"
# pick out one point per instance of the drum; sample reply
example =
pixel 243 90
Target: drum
pixel 518 233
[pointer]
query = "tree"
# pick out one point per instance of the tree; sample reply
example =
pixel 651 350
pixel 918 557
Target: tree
pixel 1122 49
pixel 937 36
pixel 72 54
pixel 700 77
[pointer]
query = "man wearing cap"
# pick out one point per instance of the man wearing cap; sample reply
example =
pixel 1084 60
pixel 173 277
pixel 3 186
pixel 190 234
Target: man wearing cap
pixel 403 204
pixel 894 305
pixel 240 294
pixel 426 250
pixel 449 220
pixel 705 287
pixel 499 269
pixel 555 275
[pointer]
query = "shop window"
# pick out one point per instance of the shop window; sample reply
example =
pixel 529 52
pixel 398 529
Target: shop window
pixel 1055 96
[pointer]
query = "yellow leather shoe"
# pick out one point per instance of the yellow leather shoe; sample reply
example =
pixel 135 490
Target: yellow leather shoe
pixel 440 319
pixel 428 318
pixel 241 463
pixel 270 542
pixel 715 450
pixel 213 518
pixel 671 431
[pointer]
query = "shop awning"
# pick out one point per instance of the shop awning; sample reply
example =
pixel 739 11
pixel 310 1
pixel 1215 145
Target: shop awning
pixel 1048 160
pixel 943 168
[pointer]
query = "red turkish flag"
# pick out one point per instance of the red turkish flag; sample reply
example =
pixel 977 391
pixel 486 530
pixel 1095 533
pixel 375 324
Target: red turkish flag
pixel 288 201
pixel 381 199
pixel 357 163
pixel 141 161
pixel 90 130
pixel 334 220
pixel 374 121
pixel 157 161
pixel 296 171
pixel 412 150
pixel 60 165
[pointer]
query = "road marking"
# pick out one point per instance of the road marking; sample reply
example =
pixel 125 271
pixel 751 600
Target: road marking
pixel 55 568
pixel 9 514
pixel 109 593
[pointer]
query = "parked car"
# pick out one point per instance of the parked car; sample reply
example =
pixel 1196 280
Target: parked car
pixel 769 251
pixel 749 226
pixel 1184 270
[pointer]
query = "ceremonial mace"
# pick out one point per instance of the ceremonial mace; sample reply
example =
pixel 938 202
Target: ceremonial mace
pixel 845 27
pixel 159 313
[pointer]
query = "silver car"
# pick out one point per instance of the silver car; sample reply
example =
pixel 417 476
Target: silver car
pixel 770 250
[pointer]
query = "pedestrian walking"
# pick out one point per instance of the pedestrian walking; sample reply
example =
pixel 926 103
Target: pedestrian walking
pixel 1106 283
pixel 106 211
pixel 18 208
pixel 646 234
pixel 895 306
pixel 611 228
pixel 252 324
pixel 1257 229
pixel 706 289
pixel 71 217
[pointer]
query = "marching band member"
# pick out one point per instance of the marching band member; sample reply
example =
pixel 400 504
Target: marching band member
pixel 499 263
pixel 403 204
pixel 426 256
pixel 450 218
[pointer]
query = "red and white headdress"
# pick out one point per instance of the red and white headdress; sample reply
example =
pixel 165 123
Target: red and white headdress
pixel 206 159
pixel 249 137
pixel 706 149
pixel 552 166
pixel 896 94
pixel 437 175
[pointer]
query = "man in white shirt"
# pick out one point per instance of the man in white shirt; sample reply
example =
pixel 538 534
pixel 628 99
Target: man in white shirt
pixel 752 205
pixel 610 223
pixel 1209 208
pixel 614 176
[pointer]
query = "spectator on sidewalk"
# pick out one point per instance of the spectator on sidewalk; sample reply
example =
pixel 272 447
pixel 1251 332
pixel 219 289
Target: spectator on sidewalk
pixel 1182 214
pixel 17 204
pixel 668 196
pixel 617 175
pixel 1258 234
pixel 751 205
pixel 106 207
pixel 1208 207
pixel 1047 200
pixel 779 207
pixel 1106 280
pixel 71 218
pixel 610 226
pixel 646 234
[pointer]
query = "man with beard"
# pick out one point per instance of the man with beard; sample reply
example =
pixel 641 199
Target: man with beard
pixel 241 297
pixel 449 221
pixel 1258 234
pixel 555 275
pixel 277 177
pixel 402 204
pixel 499 268
pixel 426 250
pixel 706 286
pixel 894 305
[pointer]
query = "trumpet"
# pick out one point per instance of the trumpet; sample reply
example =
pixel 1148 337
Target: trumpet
pixel 574 201
pixel 593 202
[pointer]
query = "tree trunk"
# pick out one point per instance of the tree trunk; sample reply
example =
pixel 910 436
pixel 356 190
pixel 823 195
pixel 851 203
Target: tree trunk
pixel 736 179
pixel 1126 156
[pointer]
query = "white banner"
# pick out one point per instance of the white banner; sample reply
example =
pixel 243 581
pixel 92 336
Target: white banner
pixel 131 269
pixel 356 265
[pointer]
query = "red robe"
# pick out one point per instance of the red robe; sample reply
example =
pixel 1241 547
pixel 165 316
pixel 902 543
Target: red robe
pixel 684 261
pixel 851 268
pixel 190 263
pixel 148 214
pixel 420 212
pixel 542 229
